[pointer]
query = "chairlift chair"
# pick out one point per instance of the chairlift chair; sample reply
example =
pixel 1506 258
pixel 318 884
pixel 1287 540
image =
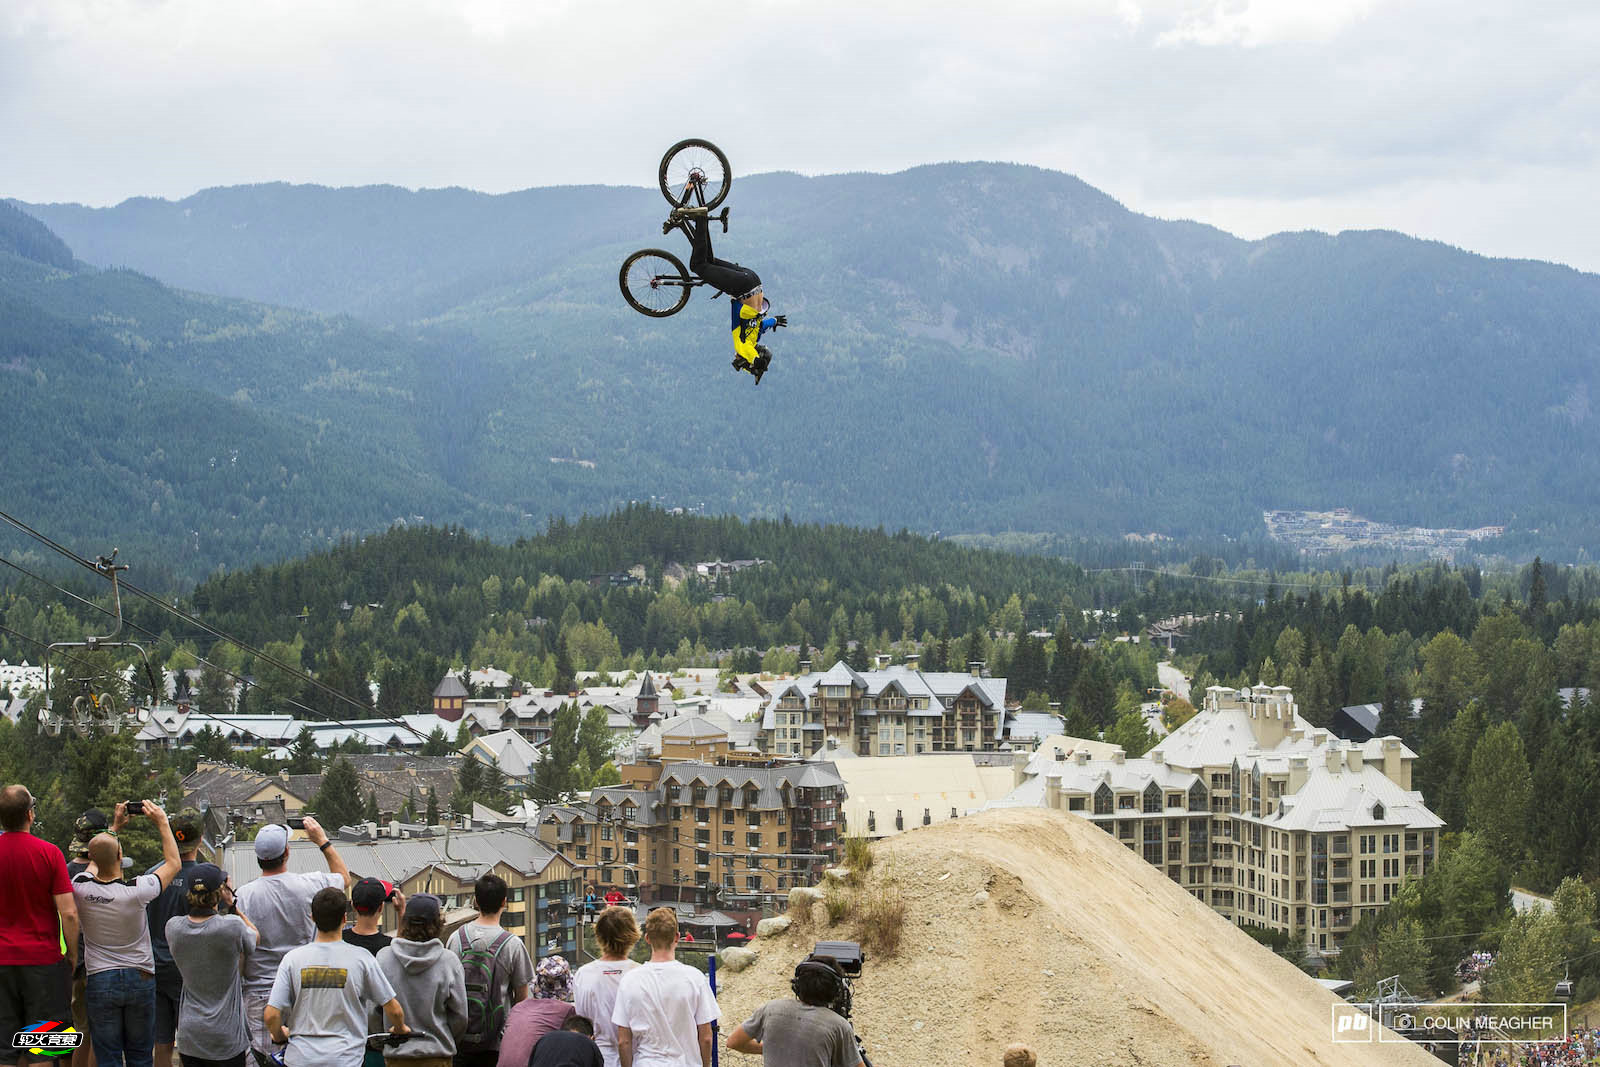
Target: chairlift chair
pixel 88 708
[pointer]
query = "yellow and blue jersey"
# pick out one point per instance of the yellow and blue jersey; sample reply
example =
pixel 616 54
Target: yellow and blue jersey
pixel 748 328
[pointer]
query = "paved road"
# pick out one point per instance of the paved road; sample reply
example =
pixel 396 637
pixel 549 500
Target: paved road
pixel 1173 679
pixel 1522 901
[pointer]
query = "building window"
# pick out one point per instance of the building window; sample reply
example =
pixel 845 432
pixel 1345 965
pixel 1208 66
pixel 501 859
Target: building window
pixel 1102 800
pixel 702 814
pixel 727 838
pixel 753 819
pixel 753 883
pixel 752 840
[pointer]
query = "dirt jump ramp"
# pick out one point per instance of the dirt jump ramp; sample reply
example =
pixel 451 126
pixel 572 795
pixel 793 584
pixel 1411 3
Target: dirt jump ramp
pixel 1035 926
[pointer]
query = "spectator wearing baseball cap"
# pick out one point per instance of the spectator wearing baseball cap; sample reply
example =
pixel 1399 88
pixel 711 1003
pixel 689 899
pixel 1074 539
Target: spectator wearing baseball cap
pixel 429 982
pixel 368 897
pixel 279 904
pixel 207 949
pixel 173 902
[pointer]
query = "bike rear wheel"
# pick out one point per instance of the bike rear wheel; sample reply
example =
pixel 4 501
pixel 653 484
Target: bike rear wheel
pixel 655 283
pixel 695 173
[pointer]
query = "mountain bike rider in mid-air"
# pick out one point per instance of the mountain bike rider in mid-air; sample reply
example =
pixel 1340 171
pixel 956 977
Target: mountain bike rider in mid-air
pixel 749 323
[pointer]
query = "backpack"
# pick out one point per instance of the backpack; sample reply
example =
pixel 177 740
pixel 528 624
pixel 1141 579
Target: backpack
pixel 486 1017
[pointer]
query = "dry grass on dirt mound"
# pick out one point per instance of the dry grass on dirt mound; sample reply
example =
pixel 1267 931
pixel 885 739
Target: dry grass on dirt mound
pixel 1076 947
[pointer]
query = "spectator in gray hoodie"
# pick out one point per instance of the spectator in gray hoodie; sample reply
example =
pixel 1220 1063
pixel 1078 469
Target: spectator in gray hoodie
pixel 429 983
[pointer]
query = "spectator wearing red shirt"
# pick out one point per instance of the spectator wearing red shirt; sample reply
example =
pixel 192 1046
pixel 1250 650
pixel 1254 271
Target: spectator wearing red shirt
pixel 38 923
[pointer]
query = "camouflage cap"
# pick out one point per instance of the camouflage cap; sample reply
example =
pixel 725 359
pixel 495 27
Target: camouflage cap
pixel 90 823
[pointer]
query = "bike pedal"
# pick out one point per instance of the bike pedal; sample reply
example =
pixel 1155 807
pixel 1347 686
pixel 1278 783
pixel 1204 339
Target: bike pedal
pixel 723 218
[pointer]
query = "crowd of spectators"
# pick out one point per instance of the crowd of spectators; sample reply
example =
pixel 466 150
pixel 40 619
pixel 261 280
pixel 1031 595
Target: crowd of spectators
pixel 1472 967
pixel 173 962
pixel 1580 1048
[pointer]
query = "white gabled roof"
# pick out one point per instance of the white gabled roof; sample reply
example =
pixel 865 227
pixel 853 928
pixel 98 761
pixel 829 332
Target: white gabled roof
pixel 1128 776
pixel 937 687
pixel 1343 799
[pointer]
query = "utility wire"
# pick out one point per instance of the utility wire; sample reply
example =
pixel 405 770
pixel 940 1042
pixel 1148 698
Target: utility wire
pixel 298 674
pixel 213 718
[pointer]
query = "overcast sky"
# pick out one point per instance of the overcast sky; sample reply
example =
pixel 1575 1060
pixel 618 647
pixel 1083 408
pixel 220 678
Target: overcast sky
pixel 1469 121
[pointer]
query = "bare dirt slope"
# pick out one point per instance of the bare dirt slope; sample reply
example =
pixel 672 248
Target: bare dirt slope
pixel 1081 950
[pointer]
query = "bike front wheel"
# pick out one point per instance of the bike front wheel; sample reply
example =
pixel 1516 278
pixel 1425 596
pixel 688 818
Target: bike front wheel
pixel 655 283
pixel 695 173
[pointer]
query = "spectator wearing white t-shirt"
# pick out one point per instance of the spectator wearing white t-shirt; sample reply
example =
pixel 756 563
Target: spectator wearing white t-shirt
pixel 594 986
pixel 323 993
pixel 664 1009
pixel 279 905
pixel 118 961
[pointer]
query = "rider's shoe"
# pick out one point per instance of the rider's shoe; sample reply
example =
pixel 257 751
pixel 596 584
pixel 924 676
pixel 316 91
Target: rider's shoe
pixel 738 364
pixel 688 213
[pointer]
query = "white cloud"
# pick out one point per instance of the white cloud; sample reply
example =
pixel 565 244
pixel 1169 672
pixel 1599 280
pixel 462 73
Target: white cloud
pixel 1469 120
pixel 1253 23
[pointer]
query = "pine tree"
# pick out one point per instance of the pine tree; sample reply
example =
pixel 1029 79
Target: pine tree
pixel 338 802
pixel 595 739
pixel 566 681
pixel 303 755
pixel 1499 789
pixel 214 695
pixel 433 807
pixel 1095 694
pixel 371 812
pixel 437 743
pixel 1131 733
pixel 469 784
pixel 1537 596
pixel 1394 714
pixel 553 778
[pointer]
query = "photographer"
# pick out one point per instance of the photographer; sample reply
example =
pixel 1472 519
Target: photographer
pixel 805 1032
pixel 279 904
pixel 116 940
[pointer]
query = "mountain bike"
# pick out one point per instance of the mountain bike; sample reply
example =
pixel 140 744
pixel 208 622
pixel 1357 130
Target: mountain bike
pixel 693 174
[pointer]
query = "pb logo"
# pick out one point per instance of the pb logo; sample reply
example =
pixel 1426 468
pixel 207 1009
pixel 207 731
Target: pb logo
pixel 1351 1025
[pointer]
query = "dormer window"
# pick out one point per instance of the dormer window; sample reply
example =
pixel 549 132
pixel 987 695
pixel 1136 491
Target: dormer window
pixel 1377 810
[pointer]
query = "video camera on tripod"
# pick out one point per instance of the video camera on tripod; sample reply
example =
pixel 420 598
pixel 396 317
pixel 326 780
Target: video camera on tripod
pixel 841 961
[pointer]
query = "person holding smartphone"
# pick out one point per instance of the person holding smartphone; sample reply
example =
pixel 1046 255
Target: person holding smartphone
pixel 118 958
pixel 279 904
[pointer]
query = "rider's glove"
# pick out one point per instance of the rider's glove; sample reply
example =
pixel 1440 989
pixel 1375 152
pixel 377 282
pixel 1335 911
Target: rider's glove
pixel 781 320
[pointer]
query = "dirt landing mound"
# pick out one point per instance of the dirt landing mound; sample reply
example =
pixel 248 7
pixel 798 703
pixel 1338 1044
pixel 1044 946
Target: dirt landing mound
pixel 1076 947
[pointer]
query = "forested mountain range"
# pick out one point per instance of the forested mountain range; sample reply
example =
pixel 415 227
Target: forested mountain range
pixel 976 348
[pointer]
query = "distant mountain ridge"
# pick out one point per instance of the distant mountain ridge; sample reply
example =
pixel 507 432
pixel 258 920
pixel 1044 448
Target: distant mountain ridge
pixel 976 347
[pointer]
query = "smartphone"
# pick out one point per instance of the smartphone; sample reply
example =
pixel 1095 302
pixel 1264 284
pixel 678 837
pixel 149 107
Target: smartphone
pixel 134 807
pixel 297 822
